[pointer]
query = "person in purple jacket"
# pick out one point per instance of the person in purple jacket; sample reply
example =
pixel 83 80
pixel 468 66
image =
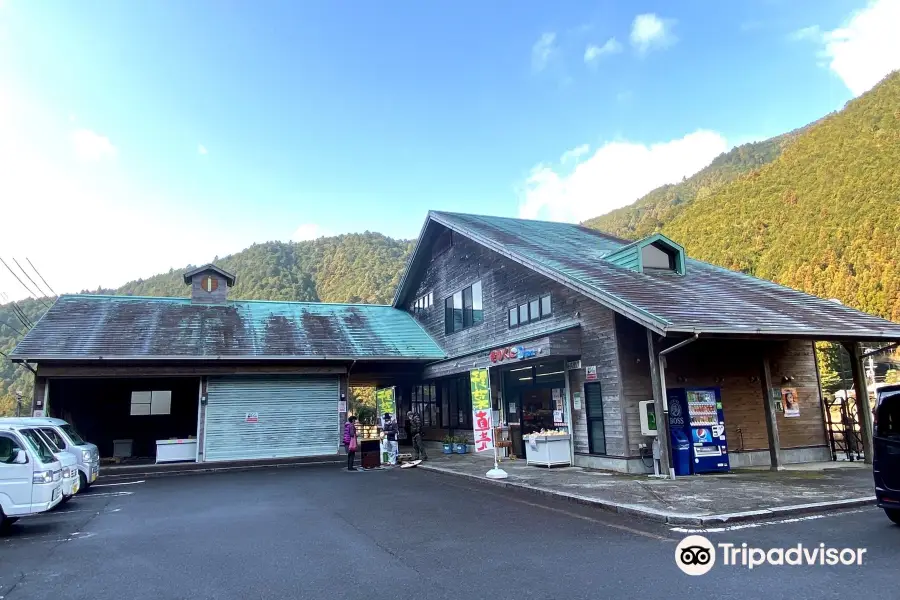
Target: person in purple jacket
pixel 350 441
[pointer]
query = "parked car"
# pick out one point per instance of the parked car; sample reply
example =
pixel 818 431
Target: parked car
pixel 30 476
pixel 71 480
pixel 887 450
pixel 66 438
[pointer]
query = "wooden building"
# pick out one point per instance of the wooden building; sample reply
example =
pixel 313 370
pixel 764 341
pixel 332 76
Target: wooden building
pixel 577 327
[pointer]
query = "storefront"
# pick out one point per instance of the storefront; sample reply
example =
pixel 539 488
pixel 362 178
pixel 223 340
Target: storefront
pixel 532 399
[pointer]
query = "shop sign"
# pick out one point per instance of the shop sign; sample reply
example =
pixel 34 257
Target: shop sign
pixel 482 417
pixel 384 402
pixel 590 373
pixel 513 353
pixel 342 406
pixel 252 417
pixel 573 364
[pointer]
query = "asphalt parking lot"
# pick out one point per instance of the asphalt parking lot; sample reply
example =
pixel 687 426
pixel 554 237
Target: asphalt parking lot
pixel 321 532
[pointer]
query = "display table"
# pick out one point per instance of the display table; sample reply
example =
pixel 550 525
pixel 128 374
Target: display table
pixel 176 450
pixel 548 450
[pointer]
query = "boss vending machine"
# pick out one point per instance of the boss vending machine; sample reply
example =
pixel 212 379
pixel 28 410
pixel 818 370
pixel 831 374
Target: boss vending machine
pixel 697 412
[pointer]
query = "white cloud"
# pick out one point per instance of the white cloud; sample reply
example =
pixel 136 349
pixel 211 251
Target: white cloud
pixel 90 146
pixel 593 53
pixel 201 150
pixel 542 51
pixel 649 32
pixel 308 231
pixel 575 153
pixel 616 174
pixel 867 48
pixel 813 32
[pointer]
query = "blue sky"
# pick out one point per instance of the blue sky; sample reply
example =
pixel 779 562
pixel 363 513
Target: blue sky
pixel 150 134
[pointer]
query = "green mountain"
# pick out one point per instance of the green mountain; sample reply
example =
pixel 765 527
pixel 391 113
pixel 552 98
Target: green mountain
pixel 363 267
pixel 650 213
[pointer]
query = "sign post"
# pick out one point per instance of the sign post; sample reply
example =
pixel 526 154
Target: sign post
pixel 483 419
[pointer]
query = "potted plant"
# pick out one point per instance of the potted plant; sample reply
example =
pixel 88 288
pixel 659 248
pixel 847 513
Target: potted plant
pixel 448 444
pixel 461 445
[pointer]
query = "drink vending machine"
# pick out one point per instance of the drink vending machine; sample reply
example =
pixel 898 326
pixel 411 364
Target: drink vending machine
pixel 697 413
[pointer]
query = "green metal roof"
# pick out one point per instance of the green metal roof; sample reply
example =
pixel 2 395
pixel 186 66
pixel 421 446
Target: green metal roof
pixel 126 327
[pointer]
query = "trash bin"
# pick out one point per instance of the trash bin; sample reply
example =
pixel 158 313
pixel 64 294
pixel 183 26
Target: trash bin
pixel 681 453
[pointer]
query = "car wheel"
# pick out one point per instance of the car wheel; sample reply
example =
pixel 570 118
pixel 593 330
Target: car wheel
pixel 893 515
pixel 82 480
pixel 6 522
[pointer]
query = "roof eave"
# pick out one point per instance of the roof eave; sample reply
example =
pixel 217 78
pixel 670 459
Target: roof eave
pixel 225 358
pixel 812 334
pixel 401 287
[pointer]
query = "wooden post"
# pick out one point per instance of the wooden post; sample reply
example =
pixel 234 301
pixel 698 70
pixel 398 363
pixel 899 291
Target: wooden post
pixel 775 455
pixel 863 408
pixel 657 377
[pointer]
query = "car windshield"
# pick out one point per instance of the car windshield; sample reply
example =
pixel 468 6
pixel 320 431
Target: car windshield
pixel 40 448
pixel 48 440
pixel 888 422
pixel 73 435
pixel 54 435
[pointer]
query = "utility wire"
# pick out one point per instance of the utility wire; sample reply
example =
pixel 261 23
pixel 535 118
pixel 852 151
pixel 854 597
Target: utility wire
pixel 42 277
pixel 5 324
pixel 23 283
pixel 25 273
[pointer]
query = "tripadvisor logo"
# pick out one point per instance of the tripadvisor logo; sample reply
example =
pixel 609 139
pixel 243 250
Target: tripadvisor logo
pixel 696 555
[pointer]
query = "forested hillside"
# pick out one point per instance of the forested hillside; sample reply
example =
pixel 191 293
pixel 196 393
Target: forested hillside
pixel 651 212
pixel 362 267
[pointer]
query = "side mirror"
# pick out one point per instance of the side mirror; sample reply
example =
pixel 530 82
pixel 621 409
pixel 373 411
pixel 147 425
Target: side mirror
pixel 21 457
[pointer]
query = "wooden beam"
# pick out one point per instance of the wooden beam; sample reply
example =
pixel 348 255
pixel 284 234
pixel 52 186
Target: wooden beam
pixel 863 408
pixel 658 378
pixel 776 456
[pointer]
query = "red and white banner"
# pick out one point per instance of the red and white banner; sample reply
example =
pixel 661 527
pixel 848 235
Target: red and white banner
pixel 482 423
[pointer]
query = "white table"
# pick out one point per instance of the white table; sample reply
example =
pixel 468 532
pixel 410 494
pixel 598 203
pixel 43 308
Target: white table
pixel 548 450
pixel 176 450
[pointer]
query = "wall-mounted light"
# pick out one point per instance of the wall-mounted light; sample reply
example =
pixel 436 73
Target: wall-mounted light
pixel 787 378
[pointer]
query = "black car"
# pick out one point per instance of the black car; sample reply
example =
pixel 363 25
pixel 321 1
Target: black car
pixel 887 451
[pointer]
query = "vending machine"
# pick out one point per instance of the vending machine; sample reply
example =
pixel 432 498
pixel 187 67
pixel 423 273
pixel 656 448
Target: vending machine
pixel 697 412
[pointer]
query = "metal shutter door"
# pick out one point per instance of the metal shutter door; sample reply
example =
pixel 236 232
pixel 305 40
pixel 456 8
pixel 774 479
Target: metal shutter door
pixel 297 417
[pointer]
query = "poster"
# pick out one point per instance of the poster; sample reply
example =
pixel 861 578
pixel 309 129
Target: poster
pixel 384 403
pixel 482 417
pixel 557 398
pixel 576 400
pixel 558 418
pixel 590 373
pixel 342 406
pixel 791 401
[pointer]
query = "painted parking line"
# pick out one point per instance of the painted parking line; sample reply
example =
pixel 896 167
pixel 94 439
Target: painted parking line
pixel 739 526
pixel 103 495
pixel 100 485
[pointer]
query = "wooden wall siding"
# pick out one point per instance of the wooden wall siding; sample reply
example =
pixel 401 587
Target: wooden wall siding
pixel 505 284
pixel 736 362
pixel 634 359
pixel 199 295
pixel 37 399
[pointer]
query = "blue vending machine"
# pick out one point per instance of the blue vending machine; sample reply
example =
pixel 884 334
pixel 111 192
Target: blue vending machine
pixel 697 412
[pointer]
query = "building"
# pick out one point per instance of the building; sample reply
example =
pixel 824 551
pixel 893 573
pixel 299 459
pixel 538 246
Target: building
pixel 577 328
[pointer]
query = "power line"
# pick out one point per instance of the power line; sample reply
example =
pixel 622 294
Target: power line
pixel 23 283
pixel 42 277
pixel 25 273
pixel 5 324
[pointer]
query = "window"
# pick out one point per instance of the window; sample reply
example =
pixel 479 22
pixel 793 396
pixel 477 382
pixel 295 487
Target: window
pixel 40 448
pixel 658 257
pixel 546 306
pixel 456 397
pixel 8 447
pixel 151 403
pixel 73 435
pixel 532 311
pixel 423 302
pixel 464 309
pixel 593 401
pixel 887 422
pixel 54 437
pixel 424 402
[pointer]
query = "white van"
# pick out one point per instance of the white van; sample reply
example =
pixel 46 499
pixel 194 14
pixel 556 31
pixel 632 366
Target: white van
pixel 66 438
pixel 71 480
pixel 30 476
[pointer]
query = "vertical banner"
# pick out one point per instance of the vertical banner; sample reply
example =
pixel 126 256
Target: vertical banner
pixel 385 403
pixel 482 419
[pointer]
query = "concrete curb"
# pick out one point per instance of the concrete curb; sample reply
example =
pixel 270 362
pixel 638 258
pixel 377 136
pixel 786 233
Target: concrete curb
pixel 662 516
pixel 211 469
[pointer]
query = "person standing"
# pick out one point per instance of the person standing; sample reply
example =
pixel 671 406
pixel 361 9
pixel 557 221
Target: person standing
pixel 390 432
pixel 350 442
pixel 415 429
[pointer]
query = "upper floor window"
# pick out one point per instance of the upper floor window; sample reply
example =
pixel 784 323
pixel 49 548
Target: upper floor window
pixel 533 310
pixel 464 309
pixel 423 302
